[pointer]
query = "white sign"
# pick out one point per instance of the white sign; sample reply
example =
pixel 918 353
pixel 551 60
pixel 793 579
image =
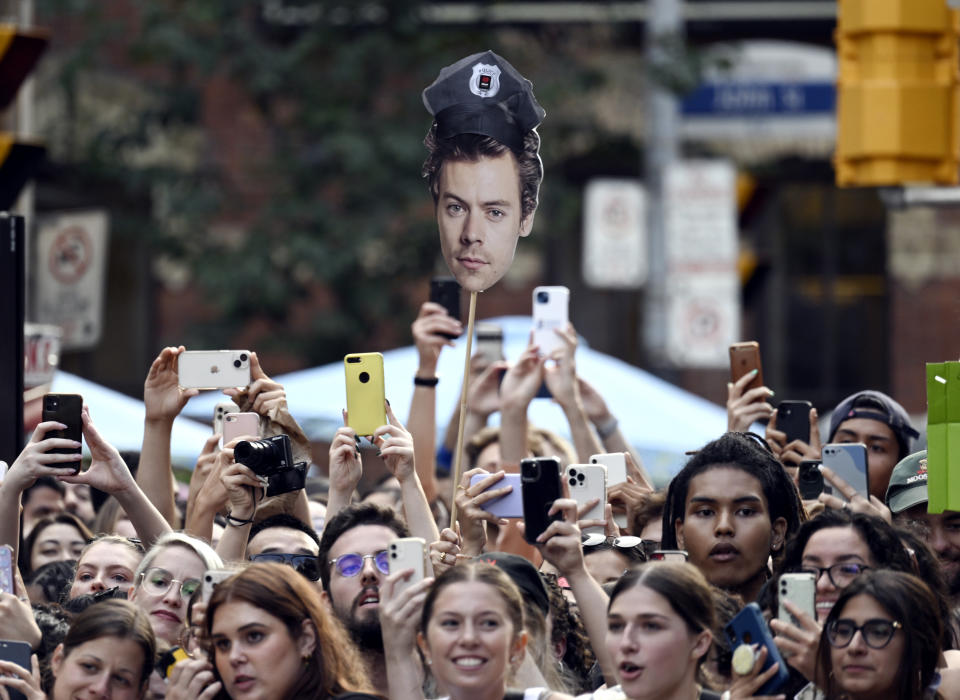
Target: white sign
pixel 41 345
pixel 614 234
pixel 703 289
pixel 71 263
pixel 703 318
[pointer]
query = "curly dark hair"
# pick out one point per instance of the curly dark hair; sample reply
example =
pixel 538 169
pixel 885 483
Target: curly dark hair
pixel 472 147
pixel 740 451
pixel 578 657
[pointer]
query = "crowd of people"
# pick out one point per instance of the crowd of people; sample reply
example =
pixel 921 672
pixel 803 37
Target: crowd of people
pixel 130 585
pixel 111 597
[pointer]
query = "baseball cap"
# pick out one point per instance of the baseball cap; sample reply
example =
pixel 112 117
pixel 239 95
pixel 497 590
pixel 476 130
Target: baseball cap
pixel 523 574
pixel 877 406
pixel 483 94
pixel 908 483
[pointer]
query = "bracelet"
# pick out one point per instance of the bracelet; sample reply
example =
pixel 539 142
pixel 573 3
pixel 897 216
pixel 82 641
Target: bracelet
pixel 421 381
pixel 238 522
pixel 608 428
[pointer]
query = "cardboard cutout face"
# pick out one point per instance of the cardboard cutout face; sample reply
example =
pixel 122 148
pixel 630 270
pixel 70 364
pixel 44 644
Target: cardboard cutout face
pixel 479 217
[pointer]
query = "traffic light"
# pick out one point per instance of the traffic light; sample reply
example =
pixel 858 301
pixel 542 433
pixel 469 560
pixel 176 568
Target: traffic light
pixel 898 97
pixel 19 51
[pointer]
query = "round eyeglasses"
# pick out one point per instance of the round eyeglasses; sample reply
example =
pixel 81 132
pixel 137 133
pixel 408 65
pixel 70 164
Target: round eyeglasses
pixel 307 565
pixel 840 575
pixel 876 633
pixel 350 565
pixel 158 582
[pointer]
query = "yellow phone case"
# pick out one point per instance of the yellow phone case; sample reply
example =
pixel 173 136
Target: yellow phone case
pixel 365 392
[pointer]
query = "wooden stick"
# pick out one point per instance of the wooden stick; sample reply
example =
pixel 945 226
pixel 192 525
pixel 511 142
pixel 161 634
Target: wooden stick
pixel 463 409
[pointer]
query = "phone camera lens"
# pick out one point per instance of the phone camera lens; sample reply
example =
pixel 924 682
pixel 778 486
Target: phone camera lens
pixel 573 482
pixel 543 297
pixel 364 377
pixel 573 472
pixel 580 478
pixel 243 357
pixel 237 363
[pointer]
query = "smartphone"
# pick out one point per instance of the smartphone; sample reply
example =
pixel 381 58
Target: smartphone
pixel 669 555
pixel 6 568
pixel 540 485
pixel 749 627
pixel 211 578
pixel 66 409
pixel 365 392
pixel 848 460
pixel 793 418
pixel 170 658
pixel 219 411
pixel 408 553
pixel 446 292
pixel 799 589
pixel 744 358
pixel 18 653
pixel 213 369
pixel 810 481
pixel 587 482
pixel 616 464
pixel 550 313
pixel 240 424
pixel 490 341
pixel 508 506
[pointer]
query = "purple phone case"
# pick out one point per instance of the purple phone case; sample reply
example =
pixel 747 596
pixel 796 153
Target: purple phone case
pixel 509 506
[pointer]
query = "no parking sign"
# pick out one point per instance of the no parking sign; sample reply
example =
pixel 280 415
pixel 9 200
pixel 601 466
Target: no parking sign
pixel 71 257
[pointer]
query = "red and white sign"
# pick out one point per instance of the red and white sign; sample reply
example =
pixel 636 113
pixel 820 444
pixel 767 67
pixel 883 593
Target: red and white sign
pixel 41 344
pixel 71 264
pixel 615 234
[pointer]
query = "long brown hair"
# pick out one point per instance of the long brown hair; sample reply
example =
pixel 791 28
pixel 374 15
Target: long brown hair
pixel 336 666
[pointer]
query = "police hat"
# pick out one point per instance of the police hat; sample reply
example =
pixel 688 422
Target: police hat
pixel 483 94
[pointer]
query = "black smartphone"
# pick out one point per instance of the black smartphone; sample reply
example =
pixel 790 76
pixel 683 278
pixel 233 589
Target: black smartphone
pixel 19 654
pixel 810 480
pixel 540 484
pixel 793 418
pixel 446 292
pixel 64 408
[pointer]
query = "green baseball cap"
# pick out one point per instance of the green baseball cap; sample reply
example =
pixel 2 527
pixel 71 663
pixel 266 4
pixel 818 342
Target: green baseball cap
pixel 908 483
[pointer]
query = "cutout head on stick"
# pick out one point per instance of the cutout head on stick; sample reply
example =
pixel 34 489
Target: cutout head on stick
pixel 483 167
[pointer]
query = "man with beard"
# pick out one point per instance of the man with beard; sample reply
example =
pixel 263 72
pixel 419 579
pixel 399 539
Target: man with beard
pixel 907 500
pixel 353 564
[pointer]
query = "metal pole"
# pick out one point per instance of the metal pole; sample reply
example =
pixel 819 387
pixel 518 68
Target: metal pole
pixel 664 31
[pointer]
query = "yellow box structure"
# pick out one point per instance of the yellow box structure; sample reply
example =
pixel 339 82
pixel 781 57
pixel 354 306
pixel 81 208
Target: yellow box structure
pixel 898 93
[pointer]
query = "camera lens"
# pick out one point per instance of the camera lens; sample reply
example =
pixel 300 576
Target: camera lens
pixel 573 472
pixel 243 357
pixel 543 297
pixel 261 456
pixel 237 363
pixel 573 482
pixel 580 477
pixel 364 377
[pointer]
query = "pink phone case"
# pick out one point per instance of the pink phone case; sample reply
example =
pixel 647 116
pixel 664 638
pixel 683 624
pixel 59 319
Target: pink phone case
pixel 240 424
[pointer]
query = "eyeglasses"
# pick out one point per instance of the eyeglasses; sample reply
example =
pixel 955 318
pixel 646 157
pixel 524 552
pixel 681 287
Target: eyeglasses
pixel 350 565
pixel 875 633
pixel 840 574
pixel 159 581
pixel 306 565
pixel 622 542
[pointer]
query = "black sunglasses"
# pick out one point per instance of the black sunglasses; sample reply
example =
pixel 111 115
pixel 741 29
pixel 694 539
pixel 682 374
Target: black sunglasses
pixel 308 565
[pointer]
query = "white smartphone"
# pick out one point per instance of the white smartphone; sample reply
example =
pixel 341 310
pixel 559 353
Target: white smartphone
pixel 616 464
pixel 799 589
pixel 550 313
pixel 848 460
pixel 408 553
pixel 212 577
pixel 213 369
pixel 587 482
pixel 240 424
pixel 219 411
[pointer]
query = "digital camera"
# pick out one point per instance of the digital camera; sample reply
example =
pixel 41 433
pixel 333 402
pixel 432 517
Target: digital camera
pixel 272 457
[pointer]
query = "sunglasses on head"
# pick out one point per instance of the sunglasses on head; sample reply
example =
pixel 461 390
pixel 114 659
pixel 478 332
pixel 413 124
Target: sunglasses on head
pixel 350 565
pixel 307 565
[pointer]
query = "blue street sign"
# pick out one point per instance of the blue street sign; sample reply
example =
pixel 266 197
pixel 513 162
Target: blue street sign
pixel 760 99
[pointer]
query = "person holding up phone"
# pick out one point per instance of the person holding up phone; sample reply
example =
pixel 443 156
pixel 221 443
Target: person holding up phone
pixel 747 406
